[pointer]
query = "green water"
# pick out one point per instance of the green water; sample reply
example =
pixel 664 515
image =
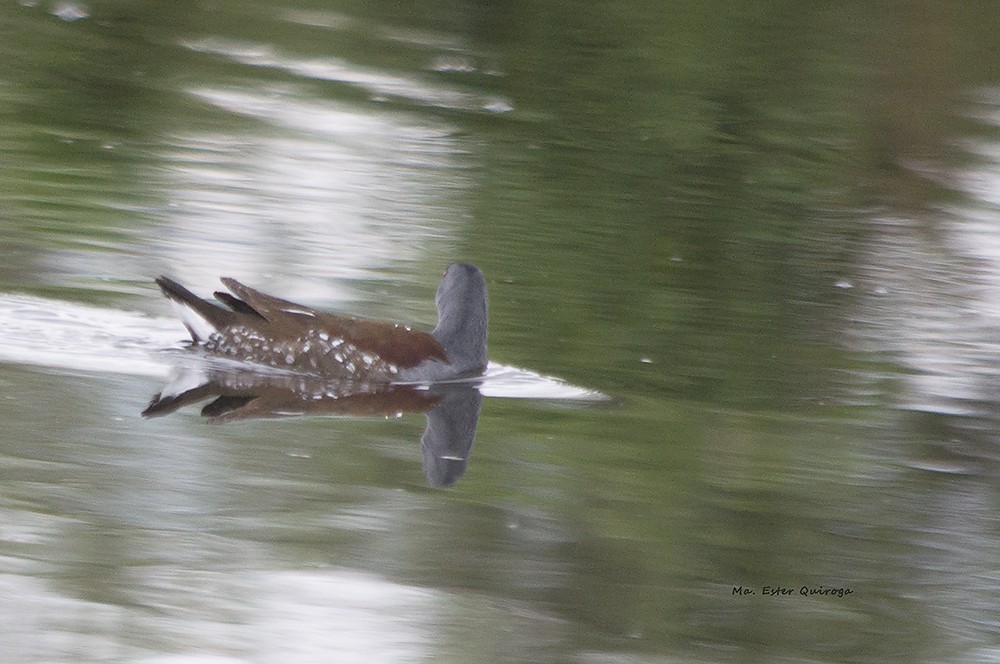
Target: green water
pixel 768 231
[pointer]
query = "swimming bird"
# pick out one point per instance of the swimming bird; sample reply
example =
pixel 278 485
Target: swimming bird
pixel 263 329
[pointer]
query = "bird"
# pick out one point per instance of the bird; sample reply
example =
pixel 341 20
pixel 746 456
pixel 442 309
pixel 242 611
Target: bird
pixel 266 330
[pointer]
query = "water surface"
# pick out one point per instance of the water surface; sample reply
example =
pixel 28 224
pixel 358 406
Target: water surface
pixel 768 233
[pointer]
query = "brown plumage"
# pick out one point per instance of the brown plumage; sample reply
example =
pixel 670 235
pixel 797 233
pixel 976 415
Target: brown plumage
pixel 269 330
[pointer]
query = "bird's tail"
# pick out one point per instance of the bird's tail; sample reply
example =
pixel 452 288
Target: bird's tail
pixel 200 317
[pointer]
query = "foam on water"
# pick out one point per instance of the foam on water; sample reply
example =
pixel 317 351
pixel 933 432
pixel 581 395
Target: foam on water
pixel 54 333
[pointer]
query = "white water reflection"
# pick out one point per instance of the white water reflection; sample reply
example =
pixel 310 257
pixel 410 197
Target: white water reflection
pixel 237 616
pixel 930 294
pixel 332 194
pixel 343 617
pixel 379 84
pixel 926 311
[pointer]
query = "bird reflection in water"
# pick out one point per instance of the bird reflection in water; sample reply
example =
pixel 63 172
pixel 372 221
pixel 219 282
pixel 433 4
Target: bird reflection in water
pixel 452 409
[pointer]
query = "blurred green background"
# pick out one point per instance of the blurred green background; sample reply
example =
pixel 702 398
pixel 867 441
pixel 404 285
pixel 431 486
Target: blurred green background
pixel 768 230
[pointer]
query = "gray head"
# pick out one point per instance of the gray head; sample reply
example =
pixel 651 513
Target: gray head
pixel 462 312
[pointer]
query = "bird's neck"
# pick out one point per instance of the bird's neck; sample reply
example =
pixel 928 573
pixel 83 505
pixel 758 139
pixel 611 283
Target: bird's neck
pixel 463 336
